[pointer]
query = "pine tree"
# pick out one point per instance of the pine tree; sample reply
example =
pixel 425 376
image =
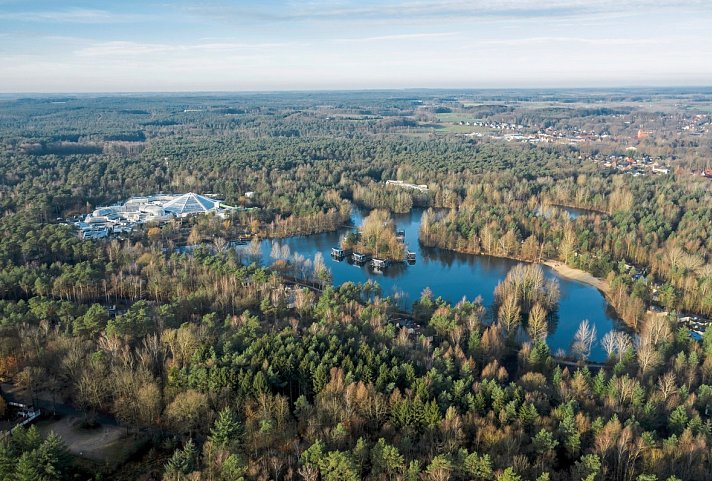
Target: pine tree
pixel 27 439
pixel 226 430
pixel 232 469
pixel 478 467
pixel 509 475
pixel 413 471
pixel 27 468
pixel 587 468
pixel 338 466
pixel 360 453
pixel 386 459
pixel 678 420
pixel 431 415
pixel 440 468
pixel 7 462
pixel 182 462
pixel 53 457
pixel 319 378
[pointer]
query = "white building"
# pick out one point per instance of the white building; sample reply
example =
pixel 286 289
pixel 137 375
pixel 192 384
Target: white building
pixel 190 203
pixel 400 183
pixel 661 170
pixel 139 210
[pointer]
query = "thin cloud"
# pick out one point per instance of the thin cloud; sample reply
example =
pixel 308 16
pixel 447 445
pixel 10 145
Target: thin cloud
pixel 519 42
pixel 120 48
pixel 136 49
pixel 72 15
pixel 404 36
pixel 404 10
pixel 236 44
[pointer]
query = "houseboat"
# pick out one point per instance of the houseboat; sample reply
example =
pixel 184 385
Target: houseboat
pixel 400 235
pixel 360 258
pixel 410 256
pixel 338 252
pixel 379 263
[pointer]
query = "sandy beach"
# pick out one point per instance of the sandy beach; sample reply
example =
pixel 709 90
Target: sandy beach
pixel 578 275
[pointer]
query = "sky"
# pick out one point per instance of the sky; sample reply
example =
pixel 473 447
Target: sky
pixel 266 45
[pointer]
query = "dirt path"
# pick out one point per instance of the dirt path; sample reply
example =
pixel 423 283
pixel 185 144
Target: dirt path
pixel 578 275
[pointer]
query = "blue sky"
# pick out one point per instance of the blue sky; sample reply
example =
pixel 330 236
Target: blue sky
pixel 128 45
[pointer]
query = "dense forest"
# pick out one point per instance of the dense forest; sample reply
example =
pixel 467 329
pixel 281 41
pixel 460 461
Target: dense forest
pixel 216 367
pixel 659 226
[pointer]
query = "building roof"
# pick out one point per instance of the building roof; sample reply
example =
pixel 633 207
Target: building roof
pixel 191 203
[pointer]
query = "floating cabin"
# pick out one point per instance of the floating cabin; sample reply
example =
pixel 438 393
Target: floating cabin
pixel 400 235
pixel 337 252
pixel 410 256
pixel 360 258
pixel 241 241
pixel 379 263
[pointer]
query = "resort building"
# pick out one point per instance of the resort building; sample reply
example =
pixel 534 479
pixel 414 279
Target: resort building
pixel 400 183
pixel 139 210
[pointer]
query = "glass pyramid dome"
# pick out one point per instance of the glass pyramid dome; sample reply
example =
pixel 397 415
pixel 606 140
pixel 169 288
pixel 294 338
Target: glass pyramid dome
pixel 191 203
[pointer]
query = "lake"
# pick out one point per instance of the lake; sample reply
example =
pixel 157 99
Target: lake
pixel 454 276
pixel 572 212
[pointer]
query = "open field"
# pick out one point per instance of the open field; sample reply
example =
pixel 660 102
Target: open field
pixel 459 129
pixel 457 117
pixel 103 444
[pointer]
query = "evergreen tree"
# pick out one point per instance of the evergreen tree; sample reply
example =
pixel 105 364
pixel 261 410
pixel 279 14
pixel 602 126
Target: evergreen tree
pixel 232 469
pixel 509 475
pixel 478 467
pixel 338 466
pixel 182 463
pixel 28 467
pixel 7 462
pixel 53 457
pixel 385 459
pixel 226 430
pixel 26 439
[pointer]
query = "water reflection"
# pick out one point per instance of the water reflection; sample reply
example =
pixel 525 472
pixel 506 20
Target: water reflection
pixel 452 276
pixel 555 210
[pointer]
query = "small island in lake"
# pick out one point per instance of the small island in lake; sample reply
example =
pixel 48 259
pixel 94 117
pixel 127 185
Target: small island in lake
pixel 377 240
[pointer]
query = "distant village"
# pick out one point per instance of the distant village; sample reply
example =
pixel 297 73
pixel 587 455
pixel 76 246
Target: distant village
pixel 630 162
pixel 521 133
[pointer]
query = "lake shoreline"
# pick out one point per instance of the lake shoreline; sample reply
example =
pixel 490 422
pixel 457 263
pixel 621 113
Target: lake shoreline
pixel 578 275
pixel 453 275
pixel 559 267
pixel 562 270
pixel 592 210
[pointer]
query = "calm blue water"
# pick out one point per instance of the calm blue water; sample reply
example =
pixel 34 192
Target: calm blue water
pixel 454 276
pixel 572 212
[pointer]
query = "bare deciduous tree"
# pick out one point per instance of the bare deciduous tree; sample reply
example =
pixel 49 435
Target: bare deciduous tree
pixel 584 339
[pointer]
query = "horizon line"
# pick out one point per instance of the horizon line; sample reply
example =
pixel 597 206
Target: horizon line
pixel 346 90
